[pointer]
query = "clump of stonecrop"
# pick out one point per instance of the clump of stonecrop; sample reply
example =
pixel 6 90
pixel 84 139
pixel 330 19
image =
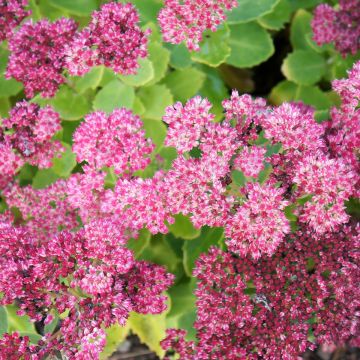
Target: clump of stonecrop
pixel 288 278
pixel 340 26
pixel 186 20
pixel 113 38
pixel 40 52
pixel 26 137
pixel 275 179
pixel 290 268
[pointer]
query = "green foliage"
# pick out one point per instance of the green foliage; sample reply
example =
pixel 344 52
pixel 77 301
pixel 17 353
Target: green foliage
pixel 65 164
pixel 150 329
pixel 183 228
pixel 184 84
pixel 250 45
pixel 3 321
pixel 193 249
pixel 78 7
pixel 304 67
pixel 214 48
pixel 155 99
pixel 248 10
pixel 114 95
pixel 276 19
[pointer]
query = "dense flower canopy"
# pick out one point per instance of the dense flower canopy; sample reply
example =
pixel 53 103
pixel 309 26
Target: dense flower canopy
pixel 123 197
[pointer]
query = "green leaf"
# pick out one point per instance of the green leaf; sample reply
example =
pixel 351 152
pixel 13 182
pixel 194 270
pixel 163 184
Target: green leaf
pixel 47 10
pixel 138 107
pixel 341 66
pixel 296 4
pixel 239 178
pixel 43 178
pixel 3 321
pixel 90 80
pixel 5 107
pixel 155 98
pixel 304 67
pixel 18 323
pixel 144 75
pixel 150 329
pixel 301 32
pixel 115 335
pixel 250 45
pixel 186 322
pixel 9 87
pixel 49 328
pixel 33 336
pixel 248 10
pixel 160 252
pixel 148 9
pixel 114 95
pixel 278 17
pixel 184 84
pixel 215 90
pixel 65 164
pixel 183 228
pixel 182 298
pixel 160 57
pixel 78 7
pixel 214 49
pixel 180 56
pixel 140 243
pixel 193 249
pixel 69 105
pixel 156 131
pixel 287 91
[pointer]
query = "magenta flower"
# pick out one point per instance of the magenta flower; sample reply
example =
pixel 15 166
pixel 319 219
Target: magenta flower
pixel 186 20
pixel 37 55
pixel 113 38
pixel 12 12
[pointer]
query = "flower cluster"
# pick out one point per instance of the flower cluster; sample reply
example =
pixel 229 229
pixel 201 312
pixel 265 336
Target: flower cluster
pixel 186 20
pixel 37 55
pixel 271 306
pixel 116 140
pixel 259 225
pixel 113 38
pixel 340 26
pixel 26 137
pixel 272 177
pixel 89 275
pixel 12 12
pixel 291 266
pixel 44 212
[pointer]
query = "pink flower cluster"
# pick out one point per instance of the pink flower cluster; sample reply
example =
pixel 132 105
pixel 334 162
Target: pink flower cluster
pixel 37 55
pixel 271 306
pixel 339 26
pixel 250 161
pixel 12 12
pixel 113 38
pixel 26 137
pixel 89 275
pixel 259 225
pixel 186 20
pixel 116 140
pixel 44 212
pixel 275 179
pixel 41 51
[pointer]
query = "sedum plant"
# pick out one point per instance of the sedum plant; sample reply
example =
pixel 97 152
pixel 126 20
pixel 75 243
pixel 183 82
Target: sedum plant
pixel 143 190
